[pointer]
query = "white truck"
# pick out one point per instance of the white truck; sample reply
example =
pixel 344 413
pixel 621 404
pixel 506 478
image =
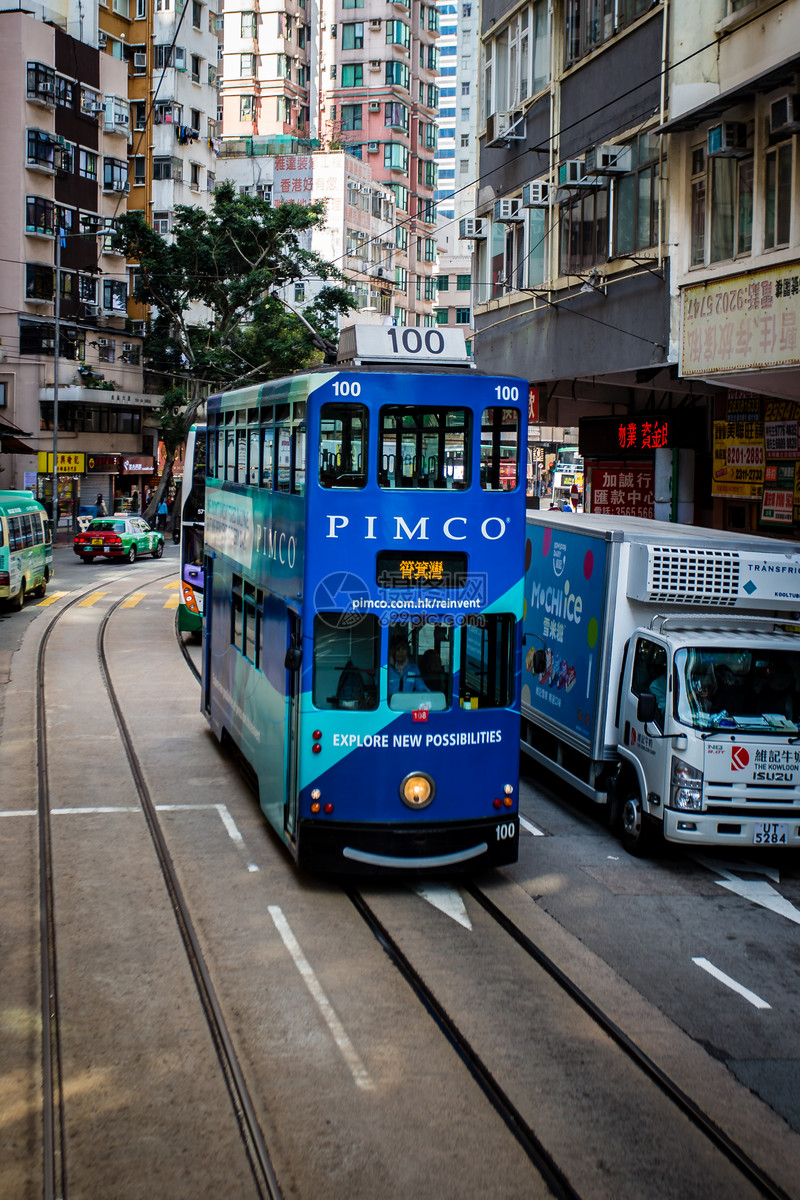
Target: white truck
pixel 661 676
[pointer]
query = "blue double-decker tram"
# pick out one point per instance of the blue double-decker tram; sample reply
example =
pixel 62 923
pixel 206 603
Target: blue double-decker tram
pixel 364 561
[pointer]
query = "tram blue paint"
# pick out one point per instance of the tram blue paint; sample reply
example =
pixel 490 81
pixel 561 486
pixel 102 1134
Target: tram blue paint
pixel 314 555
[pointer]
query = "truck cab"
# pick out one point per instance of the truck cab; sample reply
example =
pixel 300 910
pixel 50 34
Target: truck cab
pixel 709 734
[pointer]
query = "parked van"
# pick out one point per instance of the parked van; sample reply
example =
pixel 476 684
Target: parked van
pixel 26 548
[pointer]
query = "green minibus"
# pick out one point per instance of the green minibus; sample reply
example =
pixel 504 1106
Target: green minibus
pixel 26 548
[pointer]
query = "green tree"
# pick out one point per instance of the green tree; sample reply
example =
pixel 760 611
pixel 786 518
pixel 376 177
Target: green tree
pixel 216 319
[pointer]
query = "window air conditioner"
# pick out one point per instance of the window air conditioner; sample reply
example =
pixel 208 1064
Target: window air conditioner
pixel 119 185
pixel 507 211
pixel 102 342
pixel 378 272
pixel 502 128
pixel 573 173
pixel 127 347
pixel 471 227
pixel 375 23
pixel 727 140
pixel 784 115
pixel 92 310
pixel 101 38
pixel 46 88
pixel 375 64
pixel 374 106
pixel 140 60
pixel 372 148
pixel 536 195
pixel 608 160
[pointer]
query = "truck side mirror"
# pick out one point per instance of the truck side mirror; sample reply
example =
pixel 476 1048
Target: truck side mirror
pixel 647 708
pixel 293 659
pixel 539 662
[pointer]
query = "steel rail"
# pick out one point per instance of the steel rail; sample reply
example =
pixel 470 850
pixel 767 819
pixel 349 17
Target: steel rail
pixel 244 1108
pixel 700 1120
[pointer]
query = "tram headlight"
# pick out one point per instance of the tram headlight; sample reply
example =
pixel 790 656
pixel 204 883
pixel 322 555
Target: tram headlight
pixel 417 790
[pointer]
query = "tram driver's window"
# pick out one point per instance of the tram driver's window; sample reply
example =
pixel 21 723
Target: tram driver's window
pixel 343 432
pixel 487 661
pixel 424 447
pixel 499 449
pixel 419 671
pixel 346 649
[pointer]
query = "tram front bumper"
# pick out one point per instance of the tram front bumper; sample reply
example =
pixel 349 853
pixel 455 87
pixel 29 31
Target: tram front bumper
pixel 420 849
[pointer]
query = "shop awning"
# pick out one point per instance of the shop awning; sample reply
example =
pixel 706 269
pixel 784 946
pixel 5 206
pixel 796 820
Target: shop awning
pixel 781 75
pixel 10 435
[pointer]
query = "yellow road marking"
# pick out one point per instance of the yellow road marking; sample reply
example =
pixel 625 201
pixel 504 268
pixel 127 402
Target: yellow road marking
pixel 51 599
pixel 173 602
pixel 175 583
pixel 90 600
pixel 133 600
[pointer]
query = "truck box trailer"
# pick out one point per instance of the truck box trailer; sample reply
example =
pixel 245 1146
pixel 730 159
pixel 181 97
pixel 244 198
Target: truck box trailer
pixel 661 675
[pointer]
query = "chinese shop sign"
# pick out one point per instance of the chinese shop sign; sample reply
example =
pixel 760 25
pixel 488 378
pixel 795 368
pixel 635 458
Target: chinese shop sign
pixel 637 435
pixel 777 503
pixel 623 489
pixel 738 459
pixel 744 322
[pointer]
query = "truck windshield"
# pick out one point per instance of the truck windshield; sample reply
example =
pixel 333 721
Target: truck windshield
pixel 731 688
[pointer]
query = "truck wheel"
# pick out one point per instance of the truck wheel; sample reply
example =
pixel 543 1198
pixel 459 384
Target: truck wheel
pixel 637 830
pixel 18 600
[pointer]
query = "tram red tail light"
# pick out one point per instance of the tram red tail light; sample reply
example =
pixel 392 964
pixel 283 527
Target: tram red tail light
pixel 316 748
pixel 328 808
pixel 497 802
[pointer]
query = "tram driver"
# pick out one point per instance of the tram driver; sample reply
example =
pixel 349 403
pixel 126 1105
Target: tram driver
pixel 404 673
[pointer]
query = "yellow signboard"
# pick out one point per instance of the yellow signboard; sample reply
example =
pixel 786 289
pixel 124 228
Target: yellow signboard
pixel 742 323
pixel 739 459
pixel 68 464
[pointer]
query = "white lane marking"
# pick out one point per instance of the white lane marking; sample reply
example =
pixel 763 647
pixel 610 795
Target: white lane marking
pixel 346 1047
pixel 226 818
pixel 531 828
pixel 446 898
pixel 222 810
pixel 757 891
pixel 753 999
pixel 19 812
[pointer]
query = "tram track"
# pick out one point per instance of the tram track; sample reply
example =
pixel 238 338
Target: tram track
pixel 55 1176
pixel 552 1172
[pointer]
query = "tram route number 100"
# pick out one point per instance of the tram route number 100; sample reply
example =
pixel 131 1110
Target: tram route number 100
pixel 505 831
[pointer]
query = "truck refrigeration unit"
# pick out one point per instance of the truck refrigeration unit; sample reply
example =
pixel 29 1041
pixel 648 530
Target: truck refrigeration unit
pixel 661 676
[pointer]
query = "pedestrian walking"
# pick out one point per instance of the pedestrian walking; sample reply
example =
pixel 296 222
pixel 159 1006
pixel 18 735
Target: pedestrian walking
pixel 100 506
pixel 161 514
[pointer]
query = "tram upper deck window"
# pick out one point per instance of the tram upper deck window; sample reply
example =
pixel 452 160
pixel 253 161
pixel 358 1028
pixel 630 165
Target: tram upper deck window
pixel 487 660
pixel 424 447
pixel 343 433
pixel 290 448
pixel 346 661
pixel 499 449
pixel 268 441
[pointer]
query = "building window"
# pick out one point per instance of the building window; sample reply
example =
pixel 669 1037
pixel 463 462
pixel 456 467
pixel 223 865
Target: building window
pixel 40 215
pixel 517 60
pixel 637 197
pixel 351 117
pixel 731 208
pixel 299 292
pixel 398 74
pixel 87 164
pixel 115 296
pixel 197 15
pixel 463 283
pixel 698 247
pixel 462 316
pixel 247 108
pixel 778 196
pixel 353 35
pixel 248 27
pixel 247 64
pixel 352 75
pixel 161 222
pixel 38 282
pixel 584 232
pixel 395 157
pixel 590 23
pixel 396 116
pixel 139 164
pixel 441 316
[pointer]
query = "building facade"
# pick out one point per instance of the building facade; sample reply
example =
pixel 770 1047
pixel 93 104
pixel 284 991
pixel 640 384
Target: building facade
pixel 63 291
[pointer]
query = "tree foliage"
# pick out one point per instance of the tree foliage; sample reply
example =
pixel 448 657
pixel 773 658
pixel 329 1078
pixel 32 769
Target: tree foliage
pixel 216 320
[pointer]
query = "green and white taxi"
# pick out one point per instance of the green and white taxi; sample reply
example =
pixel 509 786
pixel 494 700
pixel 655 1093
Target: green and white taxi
pixel 118 537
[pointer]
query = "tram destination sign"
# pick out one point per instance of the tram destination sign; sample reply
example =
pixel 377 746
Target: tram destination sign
pixel 402 344
pixel 423 569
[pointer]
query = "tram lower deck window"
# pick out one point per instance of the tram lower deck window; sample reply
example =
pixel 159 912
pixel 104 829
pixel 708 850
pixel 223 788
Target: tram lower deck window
pixel 346 647
pixel 487 660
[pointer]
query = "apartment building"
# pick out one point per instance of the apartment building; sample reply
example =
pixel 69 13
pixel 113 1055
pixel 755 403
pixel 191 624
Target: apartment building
pixel 734 221
pixel 457 152
pixel 573 256
pixel 63 291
